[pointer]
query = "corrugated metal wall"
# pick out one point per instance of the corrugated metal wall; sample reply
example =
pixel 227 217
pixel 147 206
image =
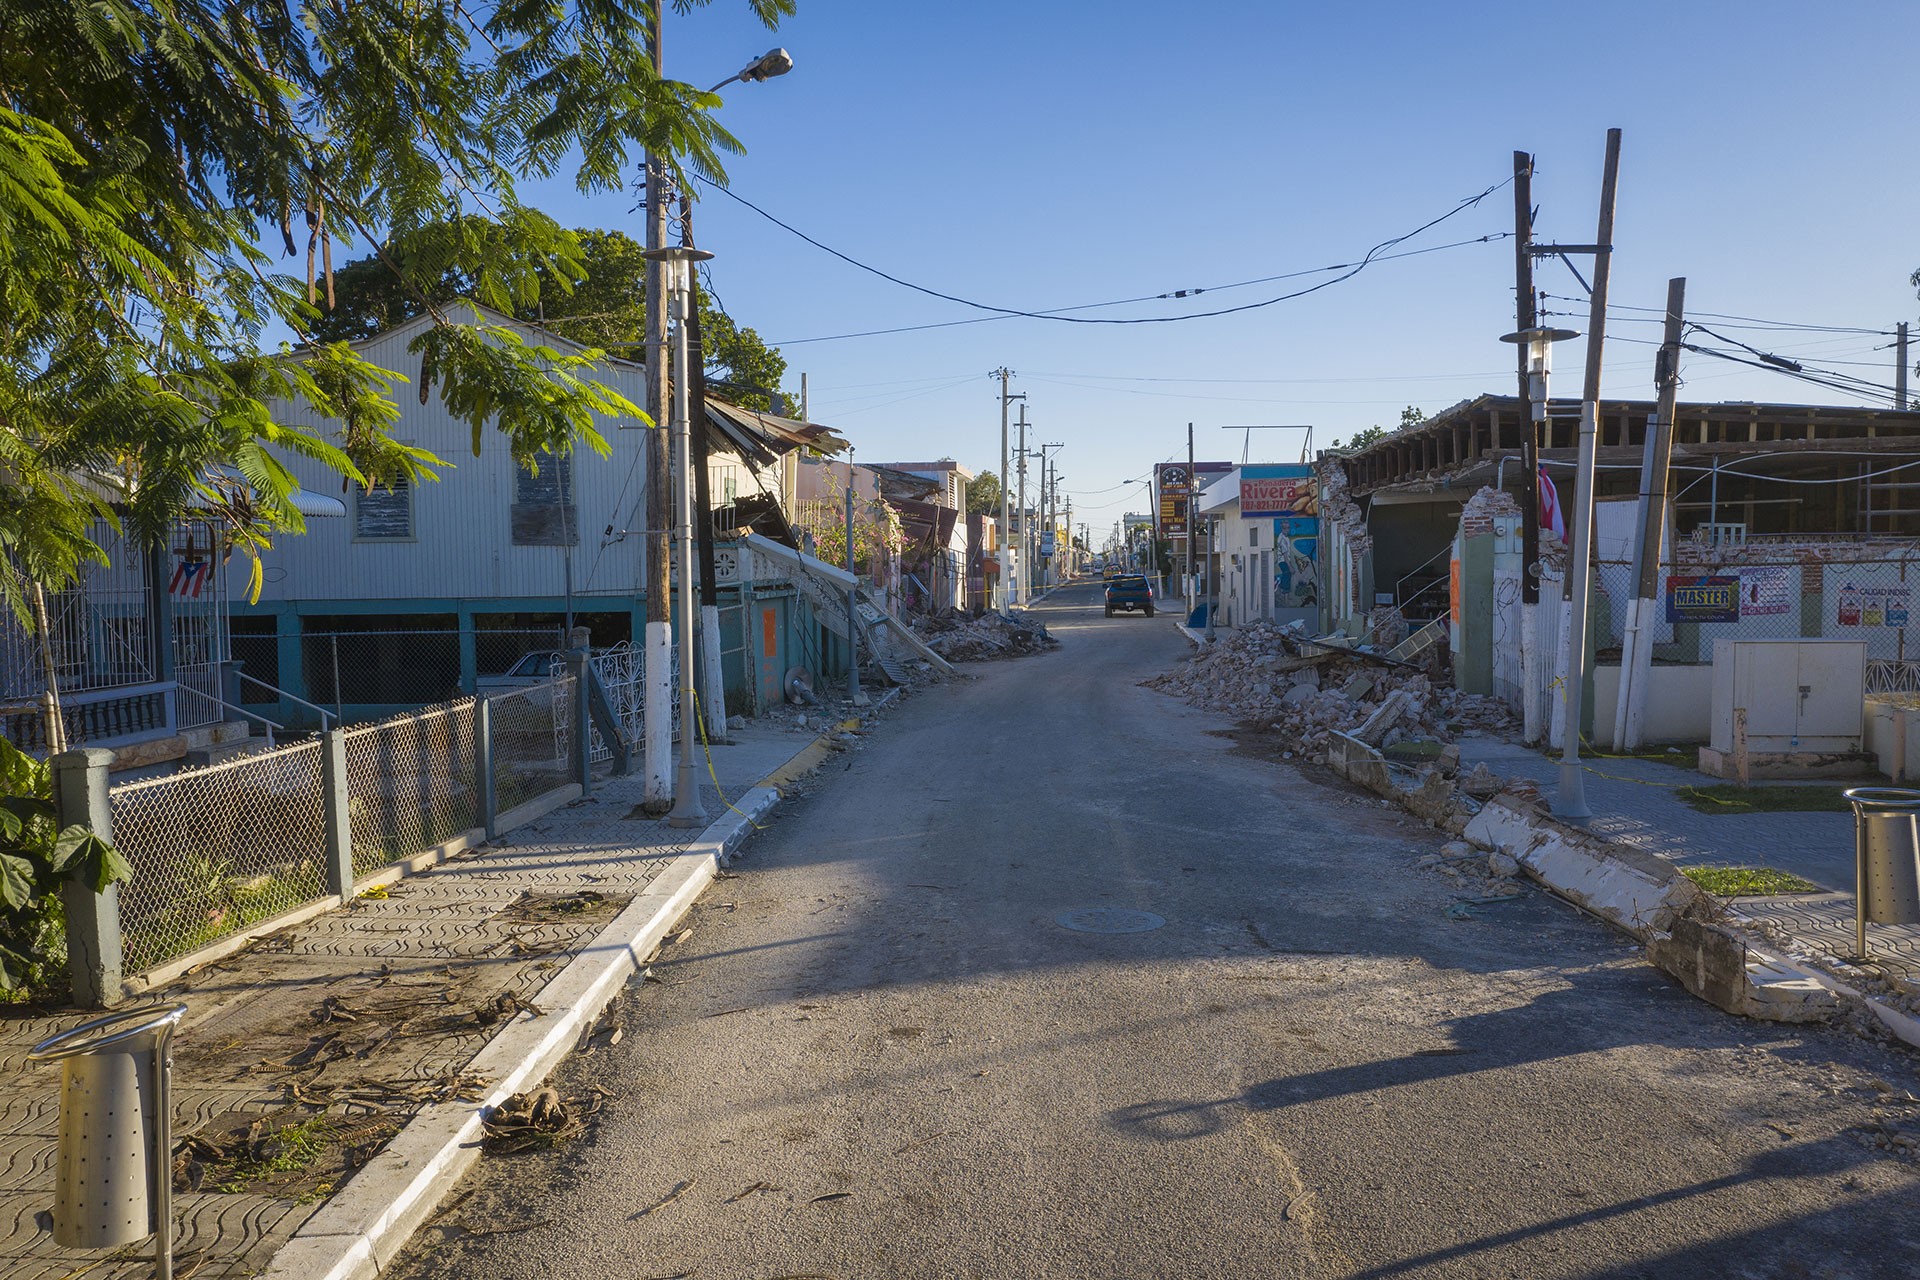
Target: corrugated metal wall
pixel 462 545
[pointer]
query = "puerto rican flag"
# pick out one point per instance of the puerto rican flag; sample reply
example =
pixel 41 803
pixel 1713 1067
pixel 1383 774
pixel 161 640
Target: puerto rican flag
pixel 1551 516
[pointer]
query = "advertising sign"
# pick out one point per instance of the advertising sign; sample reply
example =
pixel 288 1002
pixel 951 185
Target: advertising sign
pixel 1175 483
pixel 1278 489
pixel 1296 567
pixel 1171 481
pixel 1711 598
pixel 1766 590
pixel 1873 606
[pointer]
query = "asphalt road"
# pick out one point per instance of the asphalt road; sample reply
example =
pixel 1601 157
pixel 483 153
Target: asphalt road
pixel 879 1052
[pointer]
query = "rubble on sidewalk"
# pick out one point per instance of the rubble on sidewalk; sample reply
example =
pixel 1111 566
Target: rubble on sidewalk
pixel 1306 689
pixel 1384 723
pixel 987 638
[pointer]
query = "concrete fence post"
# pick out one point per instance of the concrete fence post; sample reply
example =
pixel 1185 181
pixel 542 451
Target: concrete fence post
pixel 96 960
pixel 337 806
pixel 578 713
pixel 485 798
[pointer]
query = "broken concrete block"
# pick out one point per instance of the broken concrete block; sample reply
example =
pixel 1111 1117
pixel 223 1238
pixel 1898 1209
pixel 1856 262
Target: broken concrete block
pixel 1502 865
pixel 1448 761
pixel 1309 678
pixel 1298 696
pixel 1481 783
pixel 1373 730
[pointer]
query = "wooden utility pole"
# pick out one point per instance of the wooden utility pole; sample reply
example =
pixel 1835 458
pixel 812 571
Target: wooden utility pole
pixel 1643 612
pixel 1187 523
pixel 1900 366
pixel 1572 799
pixel 697 396
pixel 1524 313
pixel 657 704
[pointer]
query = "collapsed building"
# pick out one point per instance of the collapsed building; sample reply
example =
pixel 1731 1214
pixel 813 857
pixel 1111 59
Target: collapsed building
pixel 1805 515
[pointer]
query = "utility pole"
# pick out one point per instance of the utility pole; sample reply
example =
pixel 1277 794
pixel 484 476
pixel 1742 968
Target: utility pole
pixel 1900 366
pixel 1524 312
pixel 854 694
pixel 1006 397
pixel 687 809
pixel 658 693
pixel 1636 654
pixel 1186 525
pixel 1006 535
pixel 1069 535
pixel 1572 799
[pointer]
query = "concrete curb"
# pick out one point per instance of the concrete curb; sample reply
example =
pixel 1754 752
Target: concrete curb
pixel 1645 896
pixel 358 1233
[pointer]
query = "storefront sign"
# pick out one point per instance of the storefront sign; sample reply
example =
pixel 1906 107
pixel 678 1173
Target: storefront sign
pixel 1703 599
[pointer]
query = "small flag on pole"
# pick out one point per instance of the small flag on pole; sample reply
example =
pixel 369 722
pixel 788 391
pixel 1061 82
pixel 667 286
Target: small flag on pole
pixel 1550 514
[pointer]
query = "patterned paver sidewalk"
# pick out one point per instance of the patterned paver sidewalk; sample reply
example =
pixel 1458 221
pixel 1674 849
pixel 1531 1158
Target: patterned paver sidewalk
pixel 348 1024
pixel 1633 800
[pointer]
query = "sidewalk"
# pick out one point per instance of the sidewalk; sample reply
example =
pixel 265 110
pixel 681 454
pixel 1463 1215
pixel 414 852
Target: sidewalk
pixel 1634 800
pixel 302 1056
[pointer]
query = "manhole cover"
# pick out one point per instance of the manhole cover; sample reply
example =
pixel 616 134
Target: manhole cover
pixel 1108 920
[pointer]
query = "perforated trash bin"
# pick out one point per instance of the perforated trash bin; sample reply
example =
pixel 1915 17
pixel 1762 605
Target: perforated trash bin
pixel 112 1167
pixel 1886 823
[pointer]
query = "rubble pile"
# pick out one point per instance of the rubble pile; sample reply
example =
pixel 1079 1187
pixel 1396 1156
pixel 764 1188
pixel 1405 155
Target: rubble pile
pixel 1262 672
pixel 987 638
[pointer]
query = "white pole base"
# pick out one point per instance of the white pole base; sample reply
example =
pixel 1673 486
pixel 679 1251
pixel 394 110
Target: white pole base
pixel 657 717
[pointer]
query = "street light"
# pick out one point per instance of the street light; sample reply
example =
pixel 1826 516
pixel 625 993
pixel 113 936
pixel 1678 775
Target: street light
pixel 657 720
pixel 774 62
pixel 1539 363
pixel 687 809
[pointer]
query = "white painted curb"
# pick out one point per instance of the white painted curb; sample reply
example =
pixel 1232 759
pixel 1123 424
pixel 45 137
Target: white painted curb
pixel 358 1232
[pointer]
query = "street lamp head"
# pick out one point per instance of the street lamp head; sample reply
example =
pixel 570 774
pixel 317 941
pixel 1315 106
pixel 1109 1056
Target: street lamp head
pixel 677 253
pixel 1539 362
pixel 774 62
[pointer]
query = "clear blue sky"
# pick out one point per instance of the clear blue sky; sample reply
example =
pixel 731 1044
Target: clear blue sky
pixel 1039 155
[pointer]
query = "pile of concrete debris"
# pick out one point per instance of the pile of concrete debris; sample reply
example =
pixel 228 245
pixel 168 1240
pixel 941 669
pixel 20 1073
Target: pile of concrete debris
pixel 986 638
pixel 1306 690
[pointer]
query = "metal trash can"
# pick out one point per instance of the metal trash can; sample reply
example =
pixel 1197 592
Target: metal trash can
pixel 113 1180
pixel 1886 825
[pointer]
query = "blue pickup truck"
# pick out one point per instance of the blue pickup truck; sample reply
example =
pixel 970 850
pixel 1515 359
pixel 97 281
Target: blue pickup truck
pixel 1129 592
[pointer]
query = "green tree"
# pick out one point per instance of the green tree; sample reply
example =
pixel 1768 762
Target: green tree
pixel 1409 417
pixel 983 495
pixel 146 145
pixel 595 296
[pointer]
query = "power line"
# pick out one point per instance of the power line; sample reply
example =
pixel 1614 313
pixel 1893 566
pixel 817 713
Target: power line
pixel 1721 315
pixel 1057 312
pixel 1350 269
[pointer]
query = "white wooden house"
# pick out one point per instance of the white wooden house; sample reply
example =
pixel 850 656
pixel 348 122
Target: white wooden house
pixel 424 589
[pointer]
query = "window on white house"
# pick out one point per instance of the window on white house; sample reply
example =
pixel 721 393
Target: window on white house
pixel 1253 535
pixel 543 509
pixel 384 512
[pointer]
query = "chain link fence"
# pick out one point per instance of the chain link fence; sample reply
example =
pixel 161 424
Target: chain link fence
pixel 411 784
pixel 529 742
pixel 1758 593
pixel 218 849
